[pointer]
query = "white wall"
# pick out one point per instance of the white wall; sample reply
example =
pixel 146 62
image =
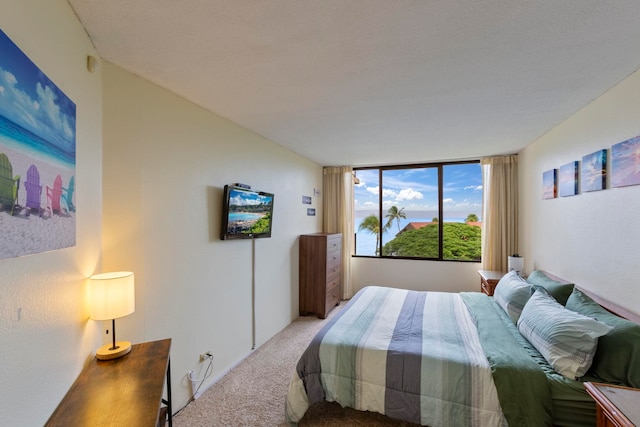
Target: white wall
pixel 45 334
pixel 592 238
pixel 166 162
pixel 444 276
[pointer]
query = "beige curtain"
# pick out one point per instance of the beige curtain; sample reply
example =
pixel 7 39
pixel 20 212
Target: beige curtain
pixel 337 196
pixel 499 211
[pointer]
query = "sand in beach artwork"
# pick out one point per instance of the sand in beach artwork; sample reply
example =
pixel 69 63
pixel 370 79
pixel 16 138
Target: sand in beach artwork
pixel 37 158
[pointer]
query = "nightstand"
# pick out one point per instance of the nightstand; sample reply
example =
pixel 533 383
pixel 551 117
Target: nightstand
pixel 489 279
pixel 616 406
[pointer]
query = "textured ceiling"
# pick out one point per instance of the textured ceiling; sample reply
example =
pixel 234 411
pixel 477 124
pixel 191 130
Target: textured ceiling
pixel 362 82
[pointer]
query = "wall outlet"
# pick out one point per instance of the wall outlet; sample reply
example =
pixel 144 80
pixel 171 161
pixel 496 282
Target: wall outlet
pixel 206 355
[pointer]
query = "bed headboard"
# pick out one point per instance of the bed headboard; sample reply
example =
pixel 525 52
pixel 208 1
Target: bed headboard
pixel 611 306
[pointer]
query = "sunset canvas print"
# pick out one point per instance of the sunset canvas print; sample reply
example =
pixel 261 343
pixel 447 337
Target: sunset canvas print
pixel 568 181
pixel 625 163
pixel 549 188
pixel 593 174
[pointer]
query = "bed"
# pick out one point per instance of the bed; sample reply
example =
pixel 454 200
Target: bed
pixel 443 359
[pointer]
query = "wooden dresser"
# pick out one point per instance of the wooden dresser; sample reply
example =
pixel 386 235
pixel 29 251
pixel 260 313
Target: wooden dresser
pixel 320 273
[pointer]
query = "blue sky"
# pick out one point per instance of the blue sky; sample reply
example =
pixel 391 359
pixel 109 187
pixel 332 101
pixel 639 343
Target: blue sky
pixel 29 99
pixel 416 190
pixel 247 198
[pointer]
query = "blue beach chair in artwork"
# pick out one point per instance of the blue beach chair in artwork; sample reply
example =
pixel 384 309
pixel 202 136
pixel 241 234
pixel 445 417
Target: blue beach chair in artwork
pixel 34 189
pixel 9 185
pixel 67 195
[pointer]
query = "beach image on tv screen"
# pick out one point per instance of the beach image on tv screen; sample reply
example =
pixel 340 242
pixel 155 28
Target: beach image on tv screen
pixel 249 212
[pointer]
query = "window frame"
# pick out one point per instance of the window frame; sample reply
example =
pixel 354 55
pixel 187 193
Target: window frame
pixel 440 167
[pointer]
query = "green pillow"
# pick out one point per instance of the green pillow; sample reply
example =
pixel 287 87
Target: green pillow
pixel 560 291
pixel 617 359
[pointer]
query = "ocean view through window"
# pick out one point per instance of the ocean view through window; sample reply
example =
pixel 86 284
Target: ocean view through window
pixel 428 211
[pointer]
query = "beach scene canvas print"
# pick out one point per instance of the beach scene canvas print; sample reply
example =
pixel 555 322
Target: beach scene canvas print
pixel 549 188
pixel 37 158
pixel 625 163
pixel 568 180
pixel 594 171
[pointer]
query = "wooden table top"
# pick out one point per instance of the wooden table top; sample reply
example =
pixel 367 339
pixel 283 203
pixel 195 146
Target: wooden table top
pixel 121 392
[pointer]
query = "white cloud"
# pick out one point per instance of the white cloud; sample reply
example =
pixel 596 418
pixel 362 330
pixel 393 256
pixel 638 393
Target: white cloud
pixel 473 187
pixel 409 194
pixel 40 114
pixel 8 77
pixel 388 193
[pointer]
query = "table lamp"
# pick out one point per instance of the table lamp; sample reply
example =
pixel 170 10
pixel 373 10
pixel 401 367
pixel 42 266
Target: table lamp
pixel 516 262
pixel 112 295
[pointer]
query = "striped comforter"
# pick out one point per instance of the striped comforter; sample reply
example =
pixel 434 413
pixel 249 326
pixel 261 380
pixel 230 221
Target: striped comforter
pixel 414 356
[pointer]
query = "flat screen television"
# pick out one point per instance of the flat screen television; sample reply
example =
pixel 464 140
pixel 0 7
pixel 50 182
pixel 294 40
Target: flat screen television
pixel 246 214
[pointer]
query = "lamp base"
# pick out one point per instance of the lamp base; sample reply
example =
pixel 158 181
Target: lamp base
pixel 106 352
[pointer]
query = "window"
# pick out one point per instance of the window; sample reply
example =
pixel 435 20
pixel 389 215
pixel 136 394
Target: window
pixel 429 211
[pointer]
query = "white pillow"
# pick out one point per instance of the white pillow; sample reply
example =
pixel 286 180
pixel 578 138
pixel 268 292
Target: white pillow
pixel 512 293
pixel 566 339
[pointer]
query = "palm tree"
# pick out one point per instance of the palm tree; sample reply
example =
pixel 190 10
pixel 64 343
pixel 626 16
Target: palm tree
pixel 372 224
pixel 471 218
pixel 394 213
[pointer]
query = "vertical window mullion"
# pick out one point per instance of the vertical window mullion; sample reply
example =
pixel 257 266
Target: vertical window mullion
pixel 380 211
pixel 440 211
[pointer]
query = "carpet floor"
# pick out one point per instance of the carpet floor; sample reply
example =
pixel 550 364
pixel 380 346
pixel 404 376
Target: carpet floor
pixel 253 393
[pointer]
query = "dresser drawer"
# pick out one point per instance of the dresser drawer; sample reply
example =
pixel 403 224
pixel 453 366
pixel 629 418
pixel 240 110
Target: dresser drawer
pixel 334 294
pixel 334 243
pixel 333 272
pixel 334 260
pixel 334 281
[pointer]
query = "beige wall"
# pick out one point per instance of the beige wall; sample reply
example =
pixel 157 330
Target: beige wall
pixel 45 334
pixel 590 239
pixel 444 276
pixel 166 162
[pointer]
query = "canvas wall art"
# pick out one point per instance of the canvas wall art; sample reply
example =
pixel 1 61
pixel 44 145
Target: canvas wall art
pixel 568 179
pixel 593 173
pixel 625 163
pixel 549 186
pixel 37 158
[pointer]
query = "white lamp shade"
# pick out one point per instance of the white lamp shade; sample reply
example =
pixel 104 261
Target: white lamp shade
pixel 516 263
pixel 111 295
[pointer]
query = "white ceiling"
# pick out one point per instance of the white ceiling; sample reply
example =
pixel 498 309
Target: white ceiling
pixel 370 82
